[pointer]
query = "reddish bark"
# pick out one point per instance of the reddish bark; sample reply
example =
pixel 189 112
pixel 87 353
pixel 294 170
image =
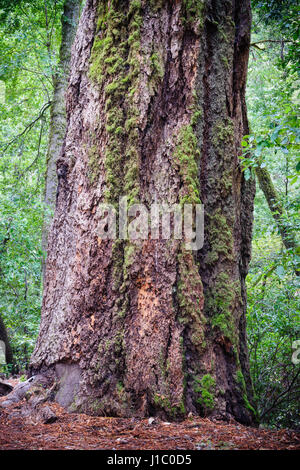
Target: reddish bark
pixel 136 329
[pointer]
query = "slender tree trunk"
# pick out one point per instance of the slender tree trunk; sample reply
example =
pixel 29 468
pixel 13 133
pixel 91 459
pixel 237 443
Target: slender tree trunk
pixel 156 111
pixel 58 119
pixel 3 333
pixel 4 338
pixel 275 206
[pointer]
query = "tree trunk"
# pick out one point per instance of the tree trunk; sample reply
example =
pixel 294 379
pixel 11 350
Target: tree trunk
pixel 275 206
pixel 58 119
pixel 156 112
pixel 3 337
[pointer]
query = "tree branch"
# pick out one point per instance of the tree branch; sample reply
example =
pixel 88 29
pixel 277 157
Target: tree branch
pixel 277 400
pixel 29 126
pixel 278 41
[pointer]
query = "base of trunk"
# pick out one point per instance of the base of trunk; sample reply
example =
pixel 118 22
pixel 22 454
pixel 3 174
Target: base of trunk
pixel 74 395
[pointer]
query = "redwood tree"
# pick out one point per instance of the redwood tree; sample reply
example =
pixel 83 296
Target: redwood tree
pixel 155 111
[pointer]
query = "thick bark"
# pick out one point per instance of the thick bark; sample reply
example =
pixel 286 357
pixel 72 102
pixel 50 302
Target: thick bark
pixel 58 118
pixel 156 111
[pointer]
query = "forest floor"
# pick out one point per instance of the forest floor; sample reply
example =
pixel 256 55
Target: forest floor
pixel 19 430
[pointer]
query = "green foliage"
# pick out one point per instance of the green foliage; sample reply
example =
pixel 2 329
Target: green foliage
pixel 281 22
pixel 273 286
pixel 29 42
pixel 273 324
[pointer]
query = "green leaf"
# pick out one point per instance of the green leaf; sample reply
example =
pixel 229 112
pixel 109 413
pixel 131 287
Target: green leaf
pixel 280 271
pixel 247 174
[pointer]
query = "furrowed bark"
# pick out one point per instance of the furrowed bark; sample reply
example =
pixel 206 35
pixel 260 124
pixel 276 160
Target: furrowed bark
pixel 156 112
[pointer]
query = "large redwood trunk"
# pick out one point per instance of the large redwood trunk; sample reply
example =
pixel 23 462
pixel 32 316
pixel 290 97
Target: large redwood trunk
pixel 156 112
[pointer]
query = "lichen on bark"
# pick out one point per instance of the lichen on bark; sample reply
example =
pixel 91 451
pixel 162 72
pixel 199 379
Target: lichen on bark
pixel 115 69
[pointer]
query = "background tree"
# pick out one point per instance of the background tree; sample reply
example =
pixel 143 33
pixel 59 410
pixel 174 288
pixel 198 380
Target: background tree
pixel 57 129
pixel 27 66
pixel 273 287
pixel 4 338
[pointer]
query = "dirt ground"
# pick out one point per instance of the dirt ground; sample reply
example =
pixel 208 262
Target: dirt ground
pixel 79 431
